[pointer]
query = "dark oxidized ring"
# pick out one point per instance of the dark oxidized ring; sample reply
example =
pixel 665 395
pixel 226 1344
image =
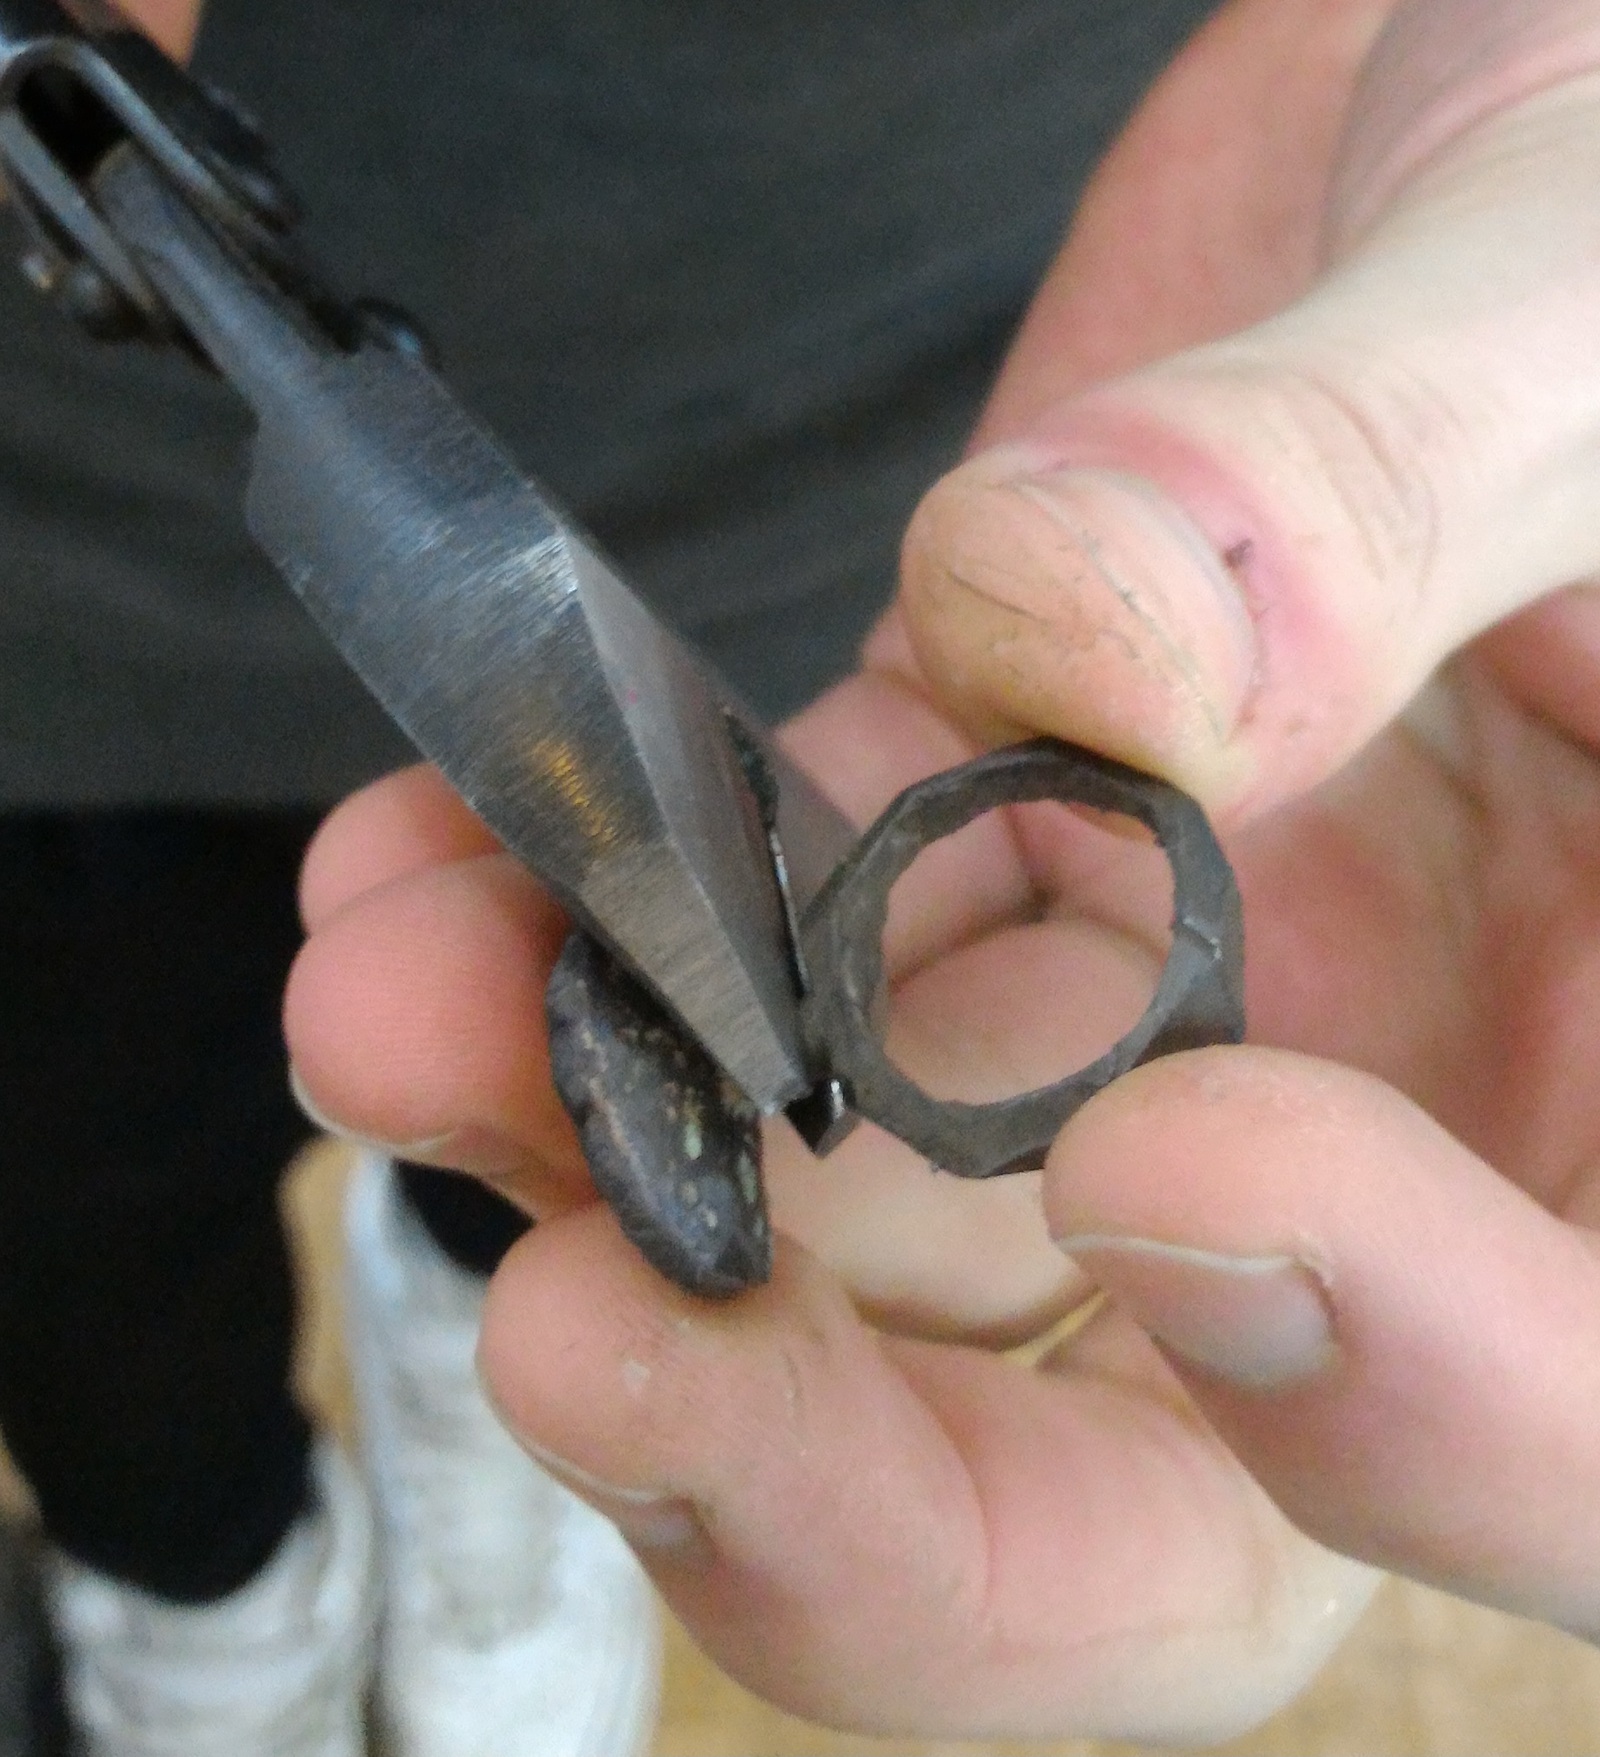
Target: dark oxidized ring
pixel 1199 997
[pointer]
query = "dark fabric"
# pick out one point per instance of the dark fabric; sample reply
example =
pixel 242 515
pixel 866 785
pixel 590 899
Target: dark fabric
pixel 146 1306
pixel 733 278
pixel 472 1225
pixel 33 1717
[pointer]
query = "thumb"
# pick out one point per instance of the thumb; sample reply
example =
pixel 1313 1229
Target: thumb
pixel 1394 1340
pixel 1236 566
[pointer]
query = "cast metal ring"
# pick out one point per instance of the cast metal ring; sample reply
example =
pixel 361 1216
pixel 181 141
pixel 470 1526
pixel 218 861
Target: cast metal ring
pixel 1199 997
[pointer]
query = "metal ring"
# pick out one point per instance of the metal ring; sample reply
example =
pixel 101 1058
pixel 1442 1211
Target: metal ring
pixel 1199 998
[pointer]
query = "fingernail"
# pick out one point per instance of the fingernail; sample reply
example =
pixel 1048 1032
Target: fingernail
pixel 1261 1323
pixel 1087 601
pixel 469 1148
pixel 650 1519
pixel 1145 545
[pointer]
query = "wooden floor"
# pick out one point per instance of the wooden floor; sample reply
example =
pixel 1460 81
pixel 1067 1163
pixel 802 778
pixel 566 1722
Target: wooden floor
pixel 1423 1676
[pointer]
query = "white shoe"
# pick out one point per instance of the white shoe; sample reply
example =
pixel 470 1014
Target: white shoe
pixel 516 1621
pixel 277 1669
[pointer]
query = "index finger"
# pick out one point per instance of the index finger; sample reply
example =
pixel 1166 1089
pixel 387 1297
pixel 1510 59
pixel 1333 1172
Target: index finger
pixel 402 823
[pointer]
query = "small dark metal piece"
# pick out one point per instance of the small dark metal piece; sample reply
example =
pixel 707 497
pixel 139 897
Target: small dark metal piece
pixel 387 325
pixel 95 305
pixel 672 1143
pixel 824 1118
pixel 1198 999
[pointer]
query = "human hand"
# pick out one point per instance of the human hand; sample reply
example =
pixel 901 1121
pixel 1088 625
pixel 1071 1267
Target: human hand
pixel 887 1523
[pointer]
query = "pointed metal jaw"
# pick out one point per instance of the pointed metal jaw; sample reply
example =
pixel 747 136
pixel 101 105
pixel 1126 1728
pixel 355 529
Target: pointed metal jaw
pixel 591 740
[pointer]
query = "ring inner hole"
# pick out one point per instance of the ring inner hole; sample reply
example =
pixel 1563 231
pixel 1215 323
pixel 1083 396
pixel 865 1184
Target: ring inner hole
pixel 1021 948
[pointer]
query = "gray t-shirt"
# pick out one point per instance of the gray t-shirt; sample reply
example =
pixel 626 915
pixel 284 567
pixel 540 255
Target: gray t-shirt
pixel 731 278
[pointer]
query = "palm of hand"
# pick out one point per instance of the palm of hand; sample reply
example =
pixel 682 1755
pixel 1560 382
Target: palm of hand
pixel 907 1529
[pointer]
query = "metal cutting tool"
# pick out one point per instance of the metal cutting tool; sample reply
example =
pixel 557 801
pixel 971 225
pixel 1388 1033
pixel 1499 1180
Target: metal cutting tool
pixel 727 958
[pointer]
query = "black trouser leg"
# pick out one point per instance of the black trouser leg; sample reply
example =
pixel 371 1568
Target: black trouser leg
pixel 146 1309
pixel 146 1312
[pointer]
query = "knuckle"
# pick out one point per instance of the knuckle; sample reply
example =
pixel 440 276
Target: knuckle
pixel 1373 444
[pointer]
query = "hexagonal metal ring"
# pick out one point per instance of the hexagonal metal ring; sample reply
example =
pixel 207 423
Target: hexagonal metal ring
pixel 1199 997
